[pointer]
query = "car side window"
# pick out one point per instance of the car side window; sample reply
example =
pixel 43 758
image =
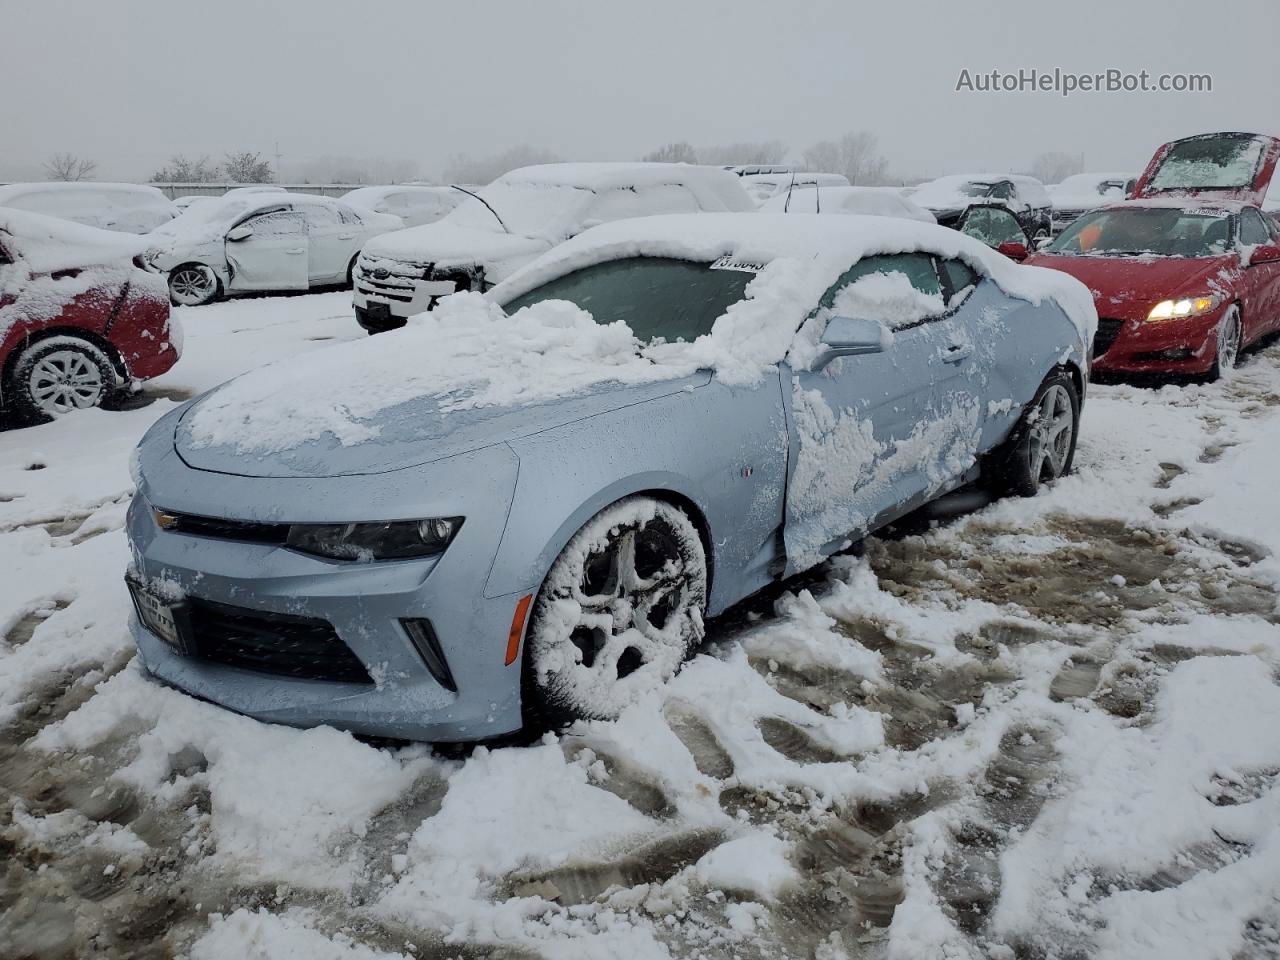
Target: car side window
pixel 894 303
pixel 318 217
pixel 958 281
pixel 1001 191
pixel 1253 229
pixel 275 223
pixel 992 226
pixel 347 215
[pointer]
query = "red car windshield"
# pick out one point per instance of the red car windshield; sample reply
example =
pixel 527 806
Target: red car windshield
pixel 1149 231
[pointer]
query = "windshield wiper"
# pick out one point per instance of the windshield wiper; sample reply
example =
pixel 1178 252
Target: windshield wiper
pixel 484 201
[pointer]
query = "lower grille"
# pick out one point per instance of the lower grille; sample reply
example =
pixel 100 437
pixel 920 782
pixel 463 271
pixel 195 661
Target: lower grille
pixel 1108 330
pixel 282 644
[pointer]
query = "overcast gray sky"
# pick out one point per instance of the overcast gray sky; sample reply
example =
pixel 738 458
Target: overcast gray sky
pixel 130 82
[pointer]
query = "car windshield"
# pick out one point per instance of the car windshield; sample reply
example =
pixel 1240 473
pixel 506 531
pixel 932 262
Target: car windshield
pixel 658 298
pixel 543 211
pixel 1214 163
pixel 1139 231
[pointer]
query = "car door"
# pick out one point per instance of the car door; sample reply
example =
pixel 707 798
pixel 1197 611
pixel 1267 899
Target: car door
pixel 271 255
pixel 328 239
pixel 997 227
pixel 878 435
pixel 1261 281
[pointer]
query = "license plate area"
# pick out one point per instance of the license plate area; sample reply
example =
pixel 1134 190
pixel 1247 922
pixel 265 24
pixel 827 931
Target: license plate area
pixel 166 620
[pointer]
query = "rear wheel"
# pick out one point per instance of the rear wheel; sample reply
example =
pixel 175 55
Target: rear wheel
pixel 620 610
pixel 193 284
pixel 1230 337
pixel 58 375
pixel 1043 444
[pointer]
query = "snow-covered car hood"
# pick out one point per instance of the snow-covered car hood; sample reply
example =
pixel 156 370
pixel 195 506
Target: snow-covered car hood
pixel 446 244
pixel 47 244
pixel 1125 287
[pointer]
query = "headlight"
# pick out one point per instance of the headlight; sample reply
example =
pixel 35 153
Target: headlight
pixel 1186 307
pixel 396 540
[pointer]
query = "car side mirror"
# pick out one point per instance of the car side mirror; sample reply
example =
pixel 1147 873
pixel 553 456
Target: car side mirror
pixel 850 337
pixel 1013 249
pixel 1264 253
pixel 236 234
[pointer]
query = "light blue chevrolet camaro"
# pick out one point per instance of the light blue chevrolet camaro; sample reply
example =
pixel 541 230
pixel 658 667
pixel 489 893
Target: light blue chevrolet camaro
pixel 517 510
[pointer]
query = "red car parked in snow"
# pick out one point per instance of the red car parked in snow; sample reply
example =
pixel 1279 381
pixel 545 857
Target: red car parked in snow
pixel 1187 273
pixel 79 316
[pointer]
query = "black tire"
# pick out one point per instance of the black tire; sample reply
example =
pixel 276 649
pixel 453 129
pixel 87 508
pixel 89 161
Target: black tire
pixel 193 285
pixel 351 271
pixel 1226 352
pixel 1031 455
pixel 57 375
pixel 618 613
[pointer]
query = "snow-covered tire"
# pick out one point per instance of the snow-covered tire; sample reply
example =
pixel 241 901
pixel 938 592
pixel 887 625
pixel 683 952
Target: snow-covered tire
pixel 1226 352
pixel 55 376
pixel 1042 446
pixel 618 613
pixel 193 285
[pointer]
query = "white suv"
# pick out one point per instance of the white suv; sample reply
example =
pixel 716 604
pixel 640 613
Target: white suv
pixel 499 228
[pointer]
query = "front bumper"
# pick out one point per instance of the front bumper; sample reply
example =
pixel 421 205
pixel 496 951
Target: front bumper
pixel 365 604
pixel 1187 346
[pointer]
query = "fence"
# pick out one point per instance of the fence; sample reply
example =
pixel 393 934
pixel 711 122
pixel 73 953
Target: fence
pixel 174 190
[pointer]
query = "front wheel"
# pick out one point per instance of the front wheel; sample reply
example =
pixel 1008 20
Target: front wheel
pixel 619 612
pixel 1043 444
pixel 192 285
pixel 1227 352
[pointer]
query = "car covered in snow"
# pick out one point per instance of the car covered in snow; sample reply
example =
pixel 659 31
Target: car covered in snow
pixel 521 507
pixel 947 198
pixel 501 227
pixel 1083 192
pixel 123 207
pixel 763 186
pixel 1187 274
pixel 415 204
pixel 868 201
pixel 79 317
pixel 261 240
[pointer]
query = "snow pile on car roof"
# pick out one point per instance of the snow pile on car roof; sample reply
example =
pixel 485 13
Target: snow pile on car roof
pixel 869 201
pixel 46 244
pixel 468 353
pixel 716 189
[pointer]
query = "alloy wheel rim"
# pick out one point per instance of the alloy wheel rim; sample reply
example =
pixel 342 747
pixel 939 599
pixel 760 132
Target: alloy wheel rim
pixel 1229 343
pixel 631 598
pixel 191 284
pixel 1051 434
pixel 65 380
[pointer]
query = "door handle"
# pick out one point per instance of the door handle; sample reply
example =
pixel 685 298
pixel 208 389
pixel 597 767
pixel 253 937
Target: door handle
pixel 956 352
pixel 346 236
pixel 296 252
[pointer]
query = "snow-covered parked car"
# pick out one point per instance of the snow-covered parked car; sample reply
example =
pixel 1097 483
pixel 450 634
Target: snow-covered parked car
pixel 868 201
pixel 79 317
pixel 413 203
pixel 256 240
pixel 524 213
pixel 764 186
pixel 947 198
pixel 123 207
pixel 520 508
pixel 1084 192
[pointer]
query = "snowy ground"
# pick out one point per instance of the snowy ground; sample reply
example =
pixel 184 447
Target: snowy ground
pixel 1045 729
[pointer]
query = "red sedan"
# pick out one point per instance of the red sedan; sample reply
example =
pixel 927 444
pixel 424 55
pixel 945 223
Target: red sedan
pixel 1188 273
pixel 80 319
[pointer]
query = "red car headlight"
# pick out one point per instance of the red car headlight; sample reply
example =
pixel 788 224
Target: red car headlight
pixel 1184 307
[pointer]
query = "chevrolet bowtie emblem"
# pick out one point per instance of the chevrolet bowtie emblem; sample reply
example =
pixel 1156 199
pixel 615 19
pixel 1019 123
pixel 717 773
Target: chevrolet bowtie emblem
pixel 165 521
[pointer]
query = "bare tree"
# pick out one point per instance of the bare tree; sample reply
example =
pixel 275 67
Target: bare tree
pixel 672 153
pixel 1055 166
pixel 855 155
pixel 67 166
pixel 246 167
pixel 466 169
pixel 725 154
pixel 182 170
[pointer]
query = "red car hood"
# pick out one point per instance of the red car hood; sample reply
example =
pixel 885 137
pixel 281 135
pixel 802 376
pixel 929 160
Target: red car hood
pixel 1125 287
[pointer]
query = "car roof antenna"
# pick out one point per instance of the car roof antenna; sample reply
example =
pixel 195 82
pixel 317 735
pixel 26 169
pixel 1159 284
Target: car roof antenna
pixel 786 207
pixel 485 202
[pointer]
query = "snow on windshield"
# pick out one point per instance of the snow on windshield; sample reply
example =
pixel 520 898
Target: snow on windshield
pixel 543 211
